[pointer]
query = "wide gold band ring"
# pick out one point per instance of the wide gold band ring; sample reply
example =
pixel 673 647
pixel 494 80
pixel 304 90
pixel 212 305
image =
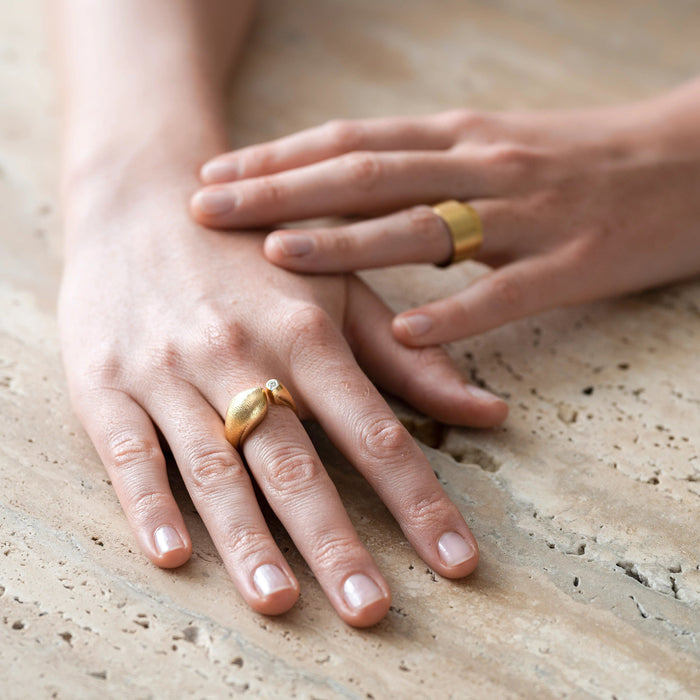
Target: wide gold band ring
pixel 465 229
pixel 247 409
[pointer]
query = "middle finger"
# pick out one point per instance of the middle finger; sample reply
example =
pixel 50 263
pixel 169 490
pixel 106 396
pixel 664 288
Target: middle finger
pixel 299 490
pixel 357 183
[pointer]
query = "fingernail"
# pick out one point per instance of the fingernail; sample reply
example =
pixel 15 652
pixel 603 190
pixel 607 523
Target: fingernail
pixel 481 394
pixel 454 549
pixel 213 202
pixel 360 591
pixel 269 579
pixel 220 171
pixel 293 244
pixel 416 324
pixel 167 539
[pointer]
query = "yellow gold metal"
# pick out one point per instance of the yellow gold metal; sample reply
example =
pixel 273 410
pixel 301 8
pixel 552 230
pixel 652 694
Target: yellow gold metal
pixel 464 226
pixel 245 412
pixel 248 409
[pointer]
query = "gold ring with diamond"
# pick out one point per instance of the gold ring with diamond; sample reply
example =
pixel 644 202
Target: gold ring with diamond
pixel 247 409
pixel 464 226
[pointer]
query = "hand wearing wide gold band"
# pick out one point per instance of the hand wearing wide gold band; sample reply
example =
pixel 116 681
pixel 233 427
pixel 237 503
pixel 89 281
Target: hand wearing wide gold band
pixel 464 226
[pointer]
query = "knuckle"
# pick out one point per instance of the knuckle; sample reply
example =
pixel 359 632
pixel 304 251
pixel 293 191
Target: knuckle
pixel 303 331
pixel 332 550
pixel 344 135
pixel 255 160
pixel 506 292
pixel 428 510
pixel 339 241
pixel 244 540
pixel 291 472
pixel 512 160
pixel 546 199
pixel 432 358
pixel 383 437
pixel 128 450
pixel 267 191
pixel 221 336
pixel 304 324
pixel 212 465
pixel 166 359
pixel 363 169
pixel 465 121
pixel 146 502
pixel 107 372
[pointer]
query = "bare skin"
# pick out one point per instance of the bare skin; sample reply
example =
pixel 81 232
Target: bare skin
pixel 162 322
pixel 576 205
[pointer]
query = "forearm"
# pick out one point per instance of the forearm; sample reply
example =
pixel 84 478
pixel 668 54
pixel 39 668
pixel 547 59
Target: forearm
pixel 144 87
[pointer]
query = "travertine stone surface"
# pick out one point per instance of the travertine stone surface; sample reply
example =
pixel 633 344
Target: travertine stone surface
pixel 586 504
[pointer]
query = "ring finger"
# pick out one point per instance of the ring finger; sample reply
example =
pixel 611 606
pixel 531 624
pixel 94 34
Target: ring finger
pixel 223 495
pixel 415 235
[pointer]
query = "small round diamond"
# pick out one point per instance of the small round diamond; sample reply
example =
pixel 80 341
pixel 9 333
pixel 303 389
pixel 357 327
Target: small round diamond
pixel 272 384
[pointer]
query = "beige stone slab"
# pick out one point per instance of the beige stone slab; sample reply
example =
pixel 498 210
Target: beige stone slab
pixel 586 503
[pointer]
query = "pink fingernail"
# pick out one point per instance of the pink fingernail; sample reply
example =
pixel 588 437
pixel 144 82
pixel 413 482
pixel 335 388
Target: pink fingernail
pixel 269 579
pixel 360 591
pixel 293 244
pixel 481 394
pixel 220 171
pixel 454 549
pixel 167 539
pixel 416 324
pixel 214 202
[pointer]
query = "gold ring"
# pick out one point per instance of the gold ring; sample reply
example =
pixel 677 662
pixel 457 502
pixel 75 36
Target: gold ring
pixel 465 229
pixel 247 409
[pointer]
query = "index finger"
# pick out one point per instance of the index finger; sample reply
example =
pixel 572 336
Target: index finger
pixel 328 141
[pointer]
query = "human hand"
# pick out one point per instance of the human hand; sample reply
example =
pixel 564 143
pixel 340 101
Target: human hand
pixel 163 322
pixel 575 205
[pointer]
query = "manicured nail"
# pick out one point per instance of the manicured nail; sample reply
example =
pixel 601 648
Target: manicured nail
pixel 220 171
pixel 269 579
pixel 416 324
pixel 481 394
pixel 214 202
pixel 360 591
pixel 167 539
pixel 293 244
pixel 454 549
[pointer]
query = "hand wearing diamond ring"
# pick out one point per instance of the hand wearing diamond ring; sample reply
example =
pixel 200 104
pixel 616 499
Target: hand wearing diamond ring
pixel 163 322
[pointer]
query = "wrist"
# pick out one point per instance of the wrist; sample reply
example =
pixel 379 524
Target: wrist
pixel 153 162
pixel 665 126
pixel 156 143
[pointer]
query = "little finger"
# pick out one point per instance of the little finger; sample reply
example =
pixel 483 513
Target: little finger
pixel 361 424
pixel 517 290
pixel 127 443
pixel 425 377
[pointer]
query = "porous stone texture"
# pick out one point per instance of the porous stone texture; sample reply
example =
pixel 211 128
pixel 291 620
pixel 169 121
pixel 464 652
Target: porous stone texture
pixel 586 503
